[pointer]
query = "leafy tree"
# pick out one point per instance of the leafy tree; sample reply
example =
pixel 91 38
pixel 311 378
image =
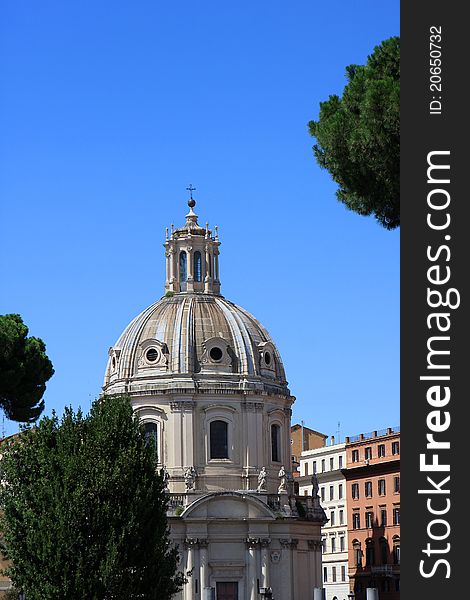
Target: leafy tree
pixel 24 370
pixel 84 509
pixel 358 136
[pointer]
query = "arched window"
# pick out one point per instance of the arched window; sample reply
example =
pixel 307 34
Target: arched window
pixel 182 266
pixel 383 550
pixel 275 443
pixel 218 439
pixel 370 552
pixel 197 266
pixel 396 549
pixel 357 553
pixel 151 434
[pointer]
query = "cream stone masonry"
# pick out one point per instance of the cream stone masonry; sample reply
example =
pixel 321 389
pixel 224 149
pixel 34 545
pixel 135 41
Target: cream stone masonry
pixel 208 383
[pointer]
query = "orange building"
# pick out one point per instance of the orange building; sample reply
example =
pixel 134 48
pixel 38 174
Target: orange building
pixel 373 498
pixel 311 439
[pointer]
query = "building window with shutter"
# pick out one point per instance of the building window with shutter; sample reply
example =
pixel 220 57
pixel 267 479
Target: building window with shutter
pixel 381 487
pixel 396 484
pixel 276 443
pixel 396 516
pixel 356 520
pixel 218 439
pixel 355 491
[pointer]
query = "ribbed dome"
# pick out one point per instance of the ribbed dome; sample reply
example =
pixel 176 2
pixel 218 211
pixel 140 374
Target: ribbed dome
pixel 194 342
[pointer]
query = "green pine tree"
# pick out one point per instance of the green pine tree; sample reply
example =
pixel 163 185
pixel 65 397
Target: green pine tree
pixel 358 136
pixel 84 509
pixel 24 370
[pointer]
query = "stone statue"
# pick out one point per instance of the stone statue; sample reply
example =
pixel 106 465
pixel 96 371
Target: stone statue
pixel 262 480
pixel 315 487
pixel 166 478
pixel 282 486
pixel 189 478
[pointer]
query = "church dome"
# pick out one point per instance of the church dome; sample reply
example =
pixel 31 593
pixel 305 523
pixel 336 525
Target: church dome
pixel 193 339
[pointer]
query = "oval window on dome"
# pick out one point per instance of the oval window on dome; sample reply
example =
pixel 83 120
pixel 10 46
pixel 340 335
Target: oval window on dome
pixel 151 354
pixel 216 353
pixel 267 358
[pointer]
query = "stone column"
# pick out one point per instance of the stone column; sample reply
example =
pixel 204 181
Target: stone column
pixel 264 563
pixel 203 564
pixel 294 567
pixel 314 561
pixel 287 566
pixel 177 434
pixel 187 433
pixel 189 588
pixel 208 275
pixel 190 269
pixel 171 252
pixel 216 271
pixel 167 269
pixel 252 591
pixel 286 571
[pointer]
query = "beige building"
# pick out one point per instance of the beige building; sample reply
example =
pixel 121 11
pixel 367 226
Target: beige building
pixel 208 381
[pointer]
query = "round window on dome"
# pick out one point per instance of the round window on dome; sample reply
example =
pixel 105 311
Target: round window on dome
pixel 216 353
pixel 114 362
pixel 151 354
pixel 267 358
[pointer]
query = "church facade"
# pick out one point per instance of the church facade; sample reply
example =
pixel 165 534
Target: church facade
pixel 208 382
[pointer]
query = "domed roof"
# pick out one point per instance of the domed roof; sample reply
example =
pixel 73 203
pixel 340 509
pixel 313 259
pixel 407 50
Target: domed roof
pixel 194 341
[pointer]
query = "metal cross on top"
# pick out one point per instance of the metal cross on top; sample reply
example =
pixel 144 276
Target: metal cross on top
pixel 191 189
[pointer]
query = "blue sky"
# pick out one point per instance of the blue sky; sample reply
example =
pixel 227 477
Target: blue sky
pixel 109 109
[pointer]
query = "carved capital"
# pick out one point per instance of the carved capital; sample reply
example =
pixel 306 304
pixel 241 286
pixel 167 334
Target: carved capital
pixel 252 542
pixel 314 544
pixel 290 544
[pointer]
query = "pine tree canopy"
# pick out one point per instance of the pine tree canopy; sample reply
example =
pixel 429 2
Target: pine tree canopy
pixel 24 370
pixel 84 509
pixel 358 136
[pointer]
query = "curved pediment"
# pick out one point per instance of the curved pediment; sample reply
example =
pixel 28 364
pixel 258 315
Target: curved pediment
pixel 228 505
